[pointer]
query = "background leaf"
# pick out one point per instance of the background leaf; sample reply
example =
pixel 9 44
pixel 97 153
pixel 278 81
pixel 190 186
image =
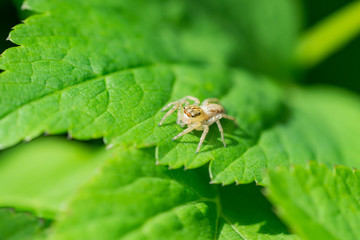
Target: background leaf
pixel 266 32
pixel 318 203
pixel 8 19
pixel 40 176
pixel 339 69
pixel 20 226
pixel 132 198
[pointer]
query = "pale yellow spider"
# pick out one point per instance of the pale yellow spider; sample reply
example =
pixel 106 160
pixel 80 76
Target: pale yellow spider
pixel 197 117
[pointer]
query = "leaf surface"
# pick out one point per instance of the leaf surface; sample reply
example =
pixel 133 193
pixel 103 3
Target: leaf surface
pixel 106 79
pixel 40 176
pixel 318 203
pixel 321 125
pixel 131 198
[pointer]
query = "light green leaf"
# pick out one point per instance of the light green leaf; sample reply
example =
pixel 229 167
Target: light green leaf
pixel 318 203
pixel 131 198
pixel 41 176
pixel 19 226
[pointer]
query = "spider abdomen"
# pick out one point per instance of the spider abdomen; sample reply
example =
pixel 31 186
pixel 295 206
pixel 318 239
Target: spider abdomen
pixel 212 110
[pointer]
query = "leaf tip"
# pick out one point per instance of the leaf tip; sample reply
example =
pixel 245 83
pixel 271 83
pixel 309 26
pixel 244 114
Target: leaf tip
pixel 265 192
pixel 27 139
pixel 69 136
pixel 110 146
pixel 25 6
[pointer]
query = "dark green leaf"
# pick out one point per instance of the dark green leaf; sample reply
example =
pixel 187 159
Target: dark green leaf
pixel 132 198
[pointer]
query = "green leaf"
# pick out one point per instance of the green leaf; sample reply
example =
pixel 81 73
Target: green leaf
pixel 41 176
pixel 101 79
pixel 105 77
pixel 321 125
pixel 113 84
pixel 318 203
pixel 19 226
pixel 131 198
pixel 255 103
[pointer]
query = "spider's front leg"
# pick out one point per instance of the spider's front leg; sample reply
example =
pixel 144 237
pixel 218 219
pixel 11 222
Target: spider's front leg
pixel 182 101
pixel 168 113
pixel 203 135
pixel 189 129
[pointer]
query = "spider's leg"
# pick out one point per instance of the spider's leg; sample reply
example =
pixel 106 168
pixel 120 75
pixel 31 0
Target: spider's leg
pixel 189 129
pixel 169 105
pixel 221 132
pixel 196 101
pixel 206 101
pixel 206 130
pixel 178 120
pixel 230 118
pixel 168 114
pixel 214 119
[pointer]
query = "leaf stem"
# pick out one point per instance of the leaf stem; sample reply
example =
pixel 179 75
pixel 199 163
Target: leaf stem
pixel 328 36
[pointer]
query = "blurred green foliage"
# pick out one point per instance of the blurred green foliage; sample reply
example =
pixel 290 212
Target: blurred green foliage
pixel 8 19
pixel 342 68
pixel 106 69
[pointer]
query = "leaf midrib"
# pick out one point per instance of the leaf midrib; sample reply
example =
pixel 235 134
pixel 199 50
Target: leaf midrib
pixel 86 81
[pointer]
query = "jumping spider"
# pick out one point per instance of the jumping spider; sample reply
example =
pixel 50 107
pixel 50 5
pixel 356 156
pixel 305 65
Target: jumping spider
pixel 197 117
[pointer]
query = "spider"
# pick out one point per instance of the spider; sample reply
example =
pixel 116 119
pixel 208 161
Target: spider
pixel 197 117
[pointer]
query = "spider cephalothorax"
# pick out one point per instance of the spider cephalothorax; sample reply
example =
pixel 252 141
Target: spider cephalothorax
pixel 197 117
pixel 192 114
